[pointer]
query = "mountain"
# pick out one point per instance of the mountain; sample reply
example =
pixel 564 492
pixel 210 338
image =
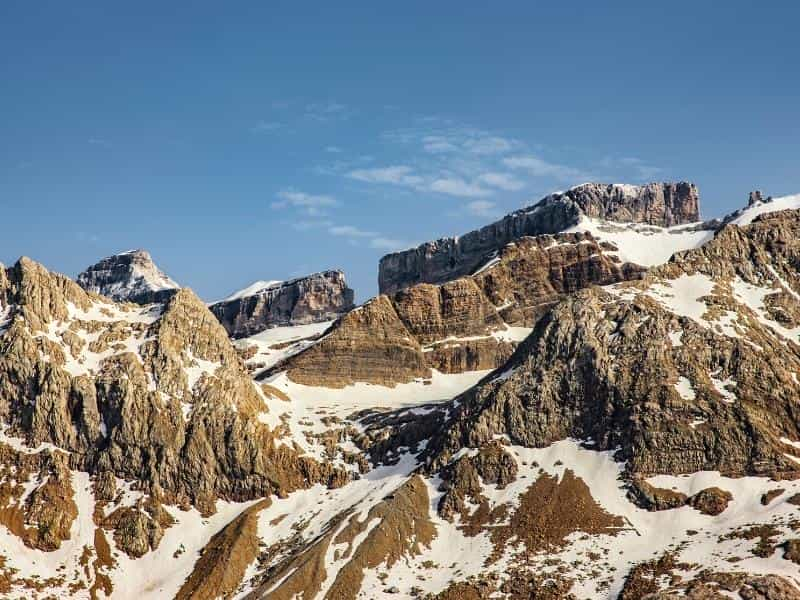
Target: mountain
pixel 469 324
pixel 111 412
pixel 311 299
pixel 128 277
pixel 474 321
pixel 659 204
pixel 562 422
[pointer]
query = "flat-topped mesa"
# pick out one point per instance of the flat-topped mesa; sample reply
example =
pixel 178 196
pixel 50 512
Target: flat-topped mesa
pixel 312 299
pixel 129 277
pixel 662 204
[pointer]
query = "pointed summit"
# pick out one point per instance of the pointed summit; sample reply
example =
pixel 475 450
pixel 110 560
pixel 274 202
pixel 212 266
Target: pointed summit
pixel 130 276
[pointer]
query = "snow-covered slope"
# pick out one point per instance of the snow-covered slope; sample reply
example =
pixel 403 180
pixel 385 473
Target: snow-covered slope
pixel 250 290
pixel 746 215
pixel 643 244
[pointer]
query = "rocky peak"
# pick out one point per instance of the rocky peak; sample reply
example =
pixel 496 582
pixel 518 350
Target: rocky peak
pixel 155 394
pixel 128 277
pixel 314 298
pixel 658 204
pixel 669 370
pixel 663 204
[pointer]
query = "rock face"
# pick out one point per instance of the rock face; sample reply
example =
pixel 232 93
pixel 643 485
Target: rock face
pixel 672 384
pixel 472 323
pixel 319 297
pixel 128 277
pixel 663 204
pixel 156 394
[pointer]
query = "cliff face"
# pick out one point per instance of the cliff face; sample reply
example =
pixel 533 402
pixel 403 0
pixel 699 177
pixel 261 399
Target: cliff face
pixel 471 323
pixel 155 394
pixel 318 297
pixel 669 371
pixel 128 277
pixel 662 204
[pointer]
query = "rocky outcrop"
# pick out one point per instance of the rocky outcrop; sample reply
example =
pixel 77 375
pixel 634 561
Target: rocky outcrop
pixel 460 325
pixel 311 299
pixel 629 370
pixel 370 344
pixel 153 394
pixel 128 277
pixel 663 204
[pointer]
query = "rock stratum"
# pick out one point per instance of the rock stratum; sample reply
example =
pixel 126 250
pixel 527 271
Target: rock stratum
pixel 128 277
pixel 470 324
pixel 641 442
pixel 312 299
pixel 659 204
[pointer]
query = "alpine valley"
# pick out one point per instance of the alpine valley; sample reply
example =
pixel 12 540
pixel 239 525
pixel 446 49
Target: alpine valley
pixel 596 396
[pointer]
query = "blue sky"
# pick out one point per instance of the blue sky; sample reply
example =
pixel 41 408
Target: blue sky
pixel 264 140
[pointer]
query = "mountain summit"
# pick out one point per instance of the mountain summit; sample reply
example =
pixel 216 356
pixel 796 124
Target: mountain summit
pixel 657 204
pixel 128 277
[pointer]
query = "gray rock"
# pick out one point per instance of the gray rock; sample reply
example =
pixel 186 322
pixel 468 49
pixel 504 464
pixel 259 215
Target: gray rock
pixel 318 297
pixel 128 277
pixel 663 204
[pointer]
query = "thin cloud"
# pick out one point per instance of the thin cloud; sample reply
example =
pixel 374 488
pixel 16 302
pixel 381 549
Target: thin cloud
pixel 503 181
pixel 640 169
pixel 328 111
pixel 98 142
pixel 489 145
pixel 458 187
pixel 297 199
pixel 266 126
pixel 538 167
pixel 350 231
pixel 396 175
pixel 482 208
pixel 333 149
pixel 389 244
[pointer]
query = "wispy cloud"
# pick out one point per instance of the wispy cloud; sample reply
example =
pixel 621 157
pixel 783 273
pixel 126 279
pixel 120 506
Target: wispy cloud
pixel 93 141
pixel 538 167
pixel 642 171
pixel 310 211
pixel 389 244
pixel 350 231
pixel 328 111
pixel 266 126
pixel 503 181
pixel 397 175
pixel 333 149
pixel 311 205
pixel 489 145
pixel 458 187
pixel 482 208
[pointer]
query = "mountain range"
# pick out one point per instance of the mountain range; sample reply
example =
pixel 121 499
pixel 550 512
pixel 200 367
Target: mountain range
pixel 596 396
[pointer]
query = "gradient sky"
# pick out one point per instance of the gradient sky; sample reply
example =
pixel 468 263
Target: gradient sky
pixel 265 140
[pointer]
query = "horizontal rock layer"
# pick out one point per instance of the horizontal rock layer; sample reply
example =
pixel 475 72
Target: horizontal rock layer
pixel 622 368
pixel 663 204
pixel 461 325
pixel 312 299
pixel 154 394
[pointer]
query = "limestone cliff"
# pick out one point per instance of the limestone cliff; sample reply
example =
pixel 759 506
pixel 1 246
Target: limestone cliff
pixel 691 369
pixel 471 323
pixel 318 297
pixel 154 394
pixel 663 204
